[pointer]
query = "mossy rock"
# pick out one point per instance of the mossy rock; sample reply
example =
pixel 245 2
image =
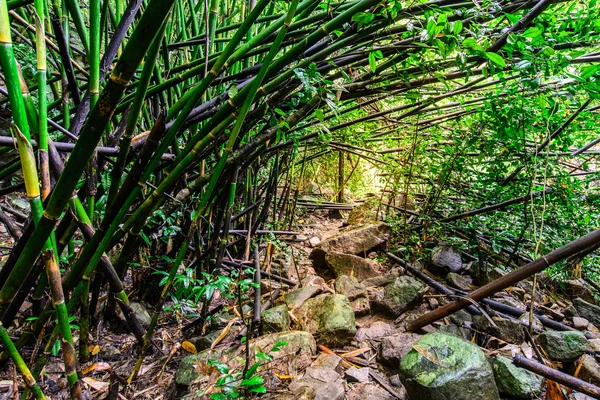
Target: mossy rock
pixel 442 366
pixel 516 381
pixel 563 346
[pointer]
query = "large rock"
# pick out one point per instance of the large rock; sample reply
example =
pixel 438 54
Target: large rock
pixel 447 258
pixel 300 348
pixel 330 316
pixel 563 346
pixel 351 265
pixel 459 281
pixel 588 311
pixel 505 329
pixel 366 212
pixel 399 296
pixel 590 370
pixel 369 391
pixel 355 292
pixel 296 297
pixel 442 367
pixel 276 319
pixel 327 384
pixel 356 241
pixel 393 348
pixel 515 381
pixel 578 288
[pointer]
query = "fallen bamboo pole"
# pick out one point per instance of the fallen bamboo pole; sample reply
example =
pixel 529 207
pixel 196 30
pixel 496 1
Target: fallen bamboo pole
pixel 509 280
pixel 557 376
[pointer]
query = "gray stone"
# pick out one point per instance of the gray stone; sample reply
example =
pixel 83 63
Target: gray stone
pixel 359 375
pixel 141 314
pixel 393 348
pixel 369 391
pixel 361 306
pixel 314 241
pixel 300 348
pixel 204 342
pixel 593 344
pixel 356 241
pixel 516 381
pixel 580 323
pixel 447 367
pixel 296 297
pixel 459 281
pixel 351 265
pixel 399 296
pixel 587 310
pixel 329 361
pixel 563 346
pixel 460 317
pixel 447 258
pixel 578 288
pixel 366 212
pixel 383 279
pixel 590 370
pixel 457 331
pixel 376 330
pixel 276 319
pixel 506 329
pixel 350 287
pixel 327 384
pixel 329 316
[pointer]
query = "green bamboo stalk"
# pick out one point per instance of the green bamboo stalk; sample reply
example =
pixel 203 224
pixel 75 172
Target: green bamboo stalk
pixel 21 364
pixel 135 50
pixel 58 301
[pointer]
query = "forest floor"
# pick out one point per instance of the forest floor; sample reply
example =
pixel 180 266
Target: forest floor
pixel 344 330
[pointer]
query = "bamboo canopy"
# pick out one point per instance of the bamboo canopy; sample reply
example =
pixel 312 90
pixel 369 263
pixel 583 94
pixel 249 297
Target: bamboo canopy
pixel 189 128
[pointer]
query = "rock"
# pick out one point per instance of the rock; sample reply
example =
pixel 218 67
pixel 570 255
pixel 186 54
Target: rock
pixel 301 393
pixel 459 370
pixel 459 281
pixel 578 288
pixel 376 330
pixel 372 255
pixel 383 279
pixel 563 346
pixel 327 384
pixel 456 331
pixel 579 396
pixel 393 348
pixel 356 241
pixel 296 297
pixel 400 295
pixel 587 310
pixel 580 323
pixel 350 287
pixel 593 344
pixel 368 391
pixel 360 375
pixel 141 314
pixel 329 361
pixel 570 311
pixel 314 241
pixel 204 342
pixel 447 258
pixel 312 280
pixel 460 317
pixel 330 316
pixel 537 324
pixel 590 370
pixel 300 348
pixel 366 212
pixel 506 329
pixel 276 319
pixel 355 292
pixel 351 265
pixel 496 273
pixel 515 381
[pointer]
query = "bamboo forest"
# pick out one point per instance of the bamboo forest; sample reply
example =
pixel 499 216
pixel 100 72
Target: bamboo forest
pixel 300 199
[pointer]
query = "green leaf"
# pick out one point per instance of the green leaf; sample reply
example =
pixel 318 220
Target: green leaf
pixel 496 59
pixel 56 348
pixel 254 381
pixel 372 62
pixel 532 32
pixel 458 26
pixel 319 114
